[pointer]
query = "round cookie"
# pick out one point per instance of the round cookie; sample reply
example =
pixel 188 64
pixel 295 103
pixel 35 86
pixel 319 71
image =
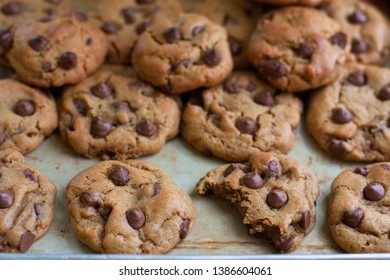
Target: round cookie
pixel 27 199
pixel 241 117
pixel 297 48
pixel 124 20
pixel 183 53
pixel 239 19
pixel 63 50
pixel 28 115
pixel 359 217
pixel 276 196
pixel 117 117
pixel 291 2
pixel 350 117
pixel 129 207
pixel 367 26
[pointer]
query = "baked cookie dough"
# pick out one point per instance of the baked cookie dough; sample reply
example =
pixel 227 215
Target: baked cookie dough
pixel 276 196
pixel 359 217
pixel 27 199
pixel 128 207
pixel 291 2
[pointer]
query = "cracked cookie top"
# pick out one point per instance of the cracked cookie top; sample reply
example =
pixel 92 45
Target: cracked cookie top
pixel 117 117
pixel 128 207
pixel 297 48
pixel 350 117
pixel 359 216
pixel 241 117
pixel 183 53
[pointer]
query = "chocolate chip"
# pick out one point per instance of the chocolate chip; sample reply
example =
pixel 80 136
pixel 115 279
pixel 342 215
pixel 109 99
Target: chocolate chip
pixel 264 98
pixel 5 40
pixel 384 93
pixel 305 50
pixel 90 198
pixel 341 115
pixel 104 212
pixel 110 27
pixel 2 138
pixel 374 191
pixel 339 39
pixel 246 125
pixel 146 128
pixel 235 46
pixel 67 60
pixel 80 16
pixel 141 27
pixel 282 243
pixel 122 106
pixel 29 174
pixel 156 190
pixel 88 42
pixel 145 1
pixel 119 175
pixel 323 10
pixel 359 46
pixel 361 171
pixel 81 106
pixel 129 14
pixel 211 57
pixel 306 220
pixel 230 169
pixel 184 62
pixel 136 218
pixel 232 85
pixel 273 170
pixel 38 209
pixel 24 108
pixel 276 198
pixel 100 128
pixel 358 17
pixel 6 199
pixel 272 68
pixel 251 86
pixel 352 218
pixel 101 90
pixel 252 180
pixel 46 66
pixel 11 9
pixel 38 43
pixel 172 35
pixel 184 228
pixel 197 30
pixel 337 148
pixel 26 240
pixel 357 78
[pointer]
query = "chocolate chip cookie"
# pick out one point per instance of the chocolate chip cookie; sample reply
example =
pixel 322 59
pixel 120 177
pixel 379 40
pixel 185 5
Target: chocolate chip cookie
pixel 367 26
pixel 128 207
pixel 291 2
pixel 239 19
pixel 63 50
pixel 350 117
pixel 28 115
pixel 27 199
pixel 183 53
pixel 297 48
pixel 275 194
pixel 359 216
pixel 241 117
pixel 117 117
pixel 124 20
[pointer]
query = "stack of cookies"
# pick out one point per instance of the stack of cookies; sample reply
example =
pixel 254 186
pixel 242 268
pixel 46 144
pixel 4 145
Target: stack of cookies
pixel 231 78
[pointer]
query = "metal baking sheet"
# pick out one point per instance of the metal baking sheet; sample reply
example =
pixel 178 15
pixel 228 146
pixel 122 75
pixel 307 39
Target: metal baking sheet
pixel 218 232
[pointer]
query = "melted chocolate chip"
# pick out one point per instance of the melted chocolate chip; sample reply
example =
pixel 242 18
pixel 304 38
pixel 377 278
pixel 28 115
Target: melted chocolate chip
pixel 100 128
pixel 252 180
pixel 352 218
pixel 184 228
pixel 384 93
pixel 211 57
pixel 136 218
pixel 374 191
pixel 101 90
pixel 306 220
pixel 26 240
pixel 141 27
pixel 264 98
pixel 359 46
pixel 5 40
pixel 24 108
pixel 197 30
pixel 110 27
pixel 11 9
pixel 46 66
pixel 276 198
pixel 67 60
pixel 38 43
pixel 339 39
pixel 184 62
pixel 104 212
pixel 358 17
pixel 251 86
pixel 123 106
pixel 230 169
pixel 235 46
pixel 119 175
pixel 232 85
pixel 172 35
pixel 6 199
pixel 272 68
pixel 361 171
pixel 341 115
pixel 357 78
pixel 81 106
pixel 29 174
pixel 337 148
pixel 2 138
pixel 305 50
pixel 146 128
pixel 283 243
pixel 273 170
pixel 129 14
pixel 90 198
pixel 246 125
pixel 38 209
pixel 156 190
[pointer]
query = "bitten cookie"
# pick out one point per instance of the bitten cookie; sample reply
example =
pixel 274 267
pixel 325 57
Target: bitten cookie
pixel 275 194
pixel 129 207
pixel 183 53
pixel 239 19
pixel 124 20
pixel 63 50
pixel 27 199
pixel 367 26
pixel 117 117
pixel 28 115
pixel 350 117
pixel 297 48
pixel 359 217
pixel 241 117
pixel 291 2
